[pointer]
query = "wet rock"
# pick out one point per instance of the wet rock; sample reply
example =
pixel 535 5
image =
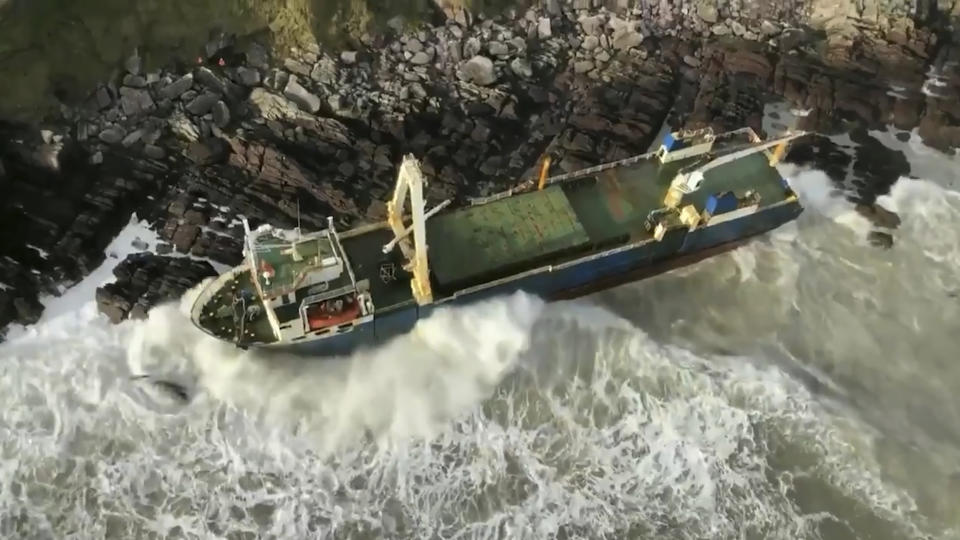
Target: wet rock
pixel 28 310
pixel 144 280
pixel 880 239
pixel 479 70
pixel 184 237
pixel 879 216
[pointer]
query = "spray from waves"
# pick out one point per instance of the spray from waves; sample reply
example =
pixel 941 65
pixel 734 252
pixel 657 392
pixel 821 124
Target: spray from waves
pixel 606 433
pixel 409 387
pixel 817 192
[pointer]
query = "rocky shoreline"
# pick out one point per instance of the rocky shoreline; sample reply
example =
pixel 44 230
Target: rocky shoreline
pixel 240 131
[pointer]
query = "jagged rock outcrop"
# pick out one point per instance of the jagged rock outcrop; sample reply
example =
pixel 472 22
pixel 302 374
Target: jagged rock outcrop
pixel 144 280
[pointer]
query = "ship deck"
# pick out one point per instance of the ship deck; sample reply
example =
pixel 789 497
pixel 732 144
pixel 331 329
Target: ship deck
pixel 489 241
pixel 218 314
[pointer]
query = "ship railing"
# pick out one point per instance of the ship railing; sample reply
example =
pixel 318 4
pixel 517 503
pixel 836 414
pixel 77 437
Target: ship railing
pixel 597 169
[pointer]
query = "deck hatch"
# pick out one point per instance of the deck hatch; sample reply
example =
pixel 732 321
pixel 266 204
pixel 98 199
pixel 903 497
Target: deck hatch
pixel 489 239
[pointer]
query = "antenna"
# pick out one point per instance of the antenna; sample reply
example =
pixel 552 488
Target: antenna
pixel 299 234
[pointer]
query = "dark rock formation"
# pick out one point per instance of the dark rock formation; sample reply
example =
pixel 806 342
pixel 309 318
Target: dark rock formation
pixel 145 280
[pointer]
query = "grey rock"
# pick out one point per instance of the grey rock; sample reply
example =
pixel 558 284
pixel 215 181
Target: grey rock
pixel 420 58
pixel 247 76
pixel 96 158
pixel 591 25
pixel 28 310
pixel 132 137
pixel 112 135
pixel 133 63
pixel 182 127
pixel 480 132
pixel 103 97
pixel 202 104
pixel 348 57
pixel 707 11
pixel 720 29
pixel 325 71
pixel 737 28
pixel 880 239
pixel 625 35
pixel 221 114
pixel 177 87
pixel 299 95
pixel 479 70
pixel 271 106
pixel 471 47
pixel 521 68
pixel 154 152
pixel 258 56
pixel 134 81
pixel 691 61
pixel 582 66
pixel 211 81
pixel 590 43
pixel 497 48
pixel 135 101
pixel 413 45
pixel 544 30
pixel 139 244
pixel 296 67
pixel 189 96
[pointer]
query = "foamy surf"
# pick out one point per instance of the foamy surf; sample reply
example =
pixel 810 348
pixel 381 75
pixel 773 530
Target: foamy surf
pixel 406 388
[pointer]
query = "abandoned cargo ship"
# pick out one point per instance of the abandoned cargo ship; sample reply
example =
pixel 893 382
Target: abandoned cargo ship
pixel 328 292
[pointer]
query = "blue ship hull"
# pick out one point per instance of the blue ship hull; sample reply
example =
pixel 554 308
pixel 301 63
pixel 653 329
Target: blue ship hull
pixel 579 277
